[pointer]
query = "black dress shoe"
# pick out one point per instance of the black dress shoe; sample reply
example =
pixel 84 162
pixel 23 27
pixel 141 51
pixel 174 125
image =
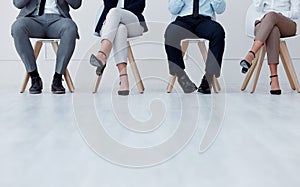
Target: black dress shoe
pixel 57 87
pixel 36 85
pixel 186 84
pixel 205 86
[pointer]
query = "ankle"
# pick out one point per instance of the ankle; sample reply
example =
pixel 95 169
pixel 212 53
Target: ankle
pixel 250 57
pixel 57 75
pixel 34 73
pixel 102 55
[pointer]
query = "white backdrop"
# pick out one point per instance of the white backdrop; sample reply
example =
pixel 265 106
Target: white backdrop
pixel 237 44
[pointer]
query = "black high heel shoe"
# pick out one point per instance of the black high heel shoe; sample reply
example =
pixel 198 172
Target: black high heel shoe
pixel 94 61
pixel 246 65
pixel 274 92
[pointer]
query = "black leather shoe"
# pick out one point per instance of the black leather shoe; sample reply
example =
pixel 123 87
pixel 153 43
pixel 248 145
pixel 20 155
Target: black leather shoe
pixel 36 85
pixel 205 86
pixel 57 87
pixel 186 84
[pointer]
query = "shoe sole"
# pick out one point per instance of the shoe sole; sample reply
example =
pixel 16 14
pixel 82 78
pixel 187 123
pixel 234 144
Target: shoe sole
pixel 123 92
pixel 35 92
pixel 190 91
pixel 58 92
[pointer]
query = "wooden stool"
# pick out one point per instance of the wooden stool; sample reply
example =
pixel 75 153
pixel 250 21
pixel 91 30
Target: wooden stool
pixel 287 64
pixel 203 50
pixel 37 48
pixel 134 69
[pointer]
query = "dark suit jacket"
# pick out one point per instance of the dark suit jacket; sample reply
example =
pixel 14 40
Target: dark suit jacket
pixel 135 6
pixel 29 6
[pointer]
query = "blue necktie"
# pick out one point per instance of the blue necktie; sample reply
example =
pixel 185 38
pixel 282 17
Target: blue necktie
pixel 196 8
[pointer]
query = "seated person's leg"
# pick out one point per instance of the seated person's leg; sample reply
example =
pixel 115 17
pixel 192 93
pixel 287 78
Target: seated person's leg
pixel 64 29
pixel 23 29
pixel 174 33
pixel 120 56
pixel 214 32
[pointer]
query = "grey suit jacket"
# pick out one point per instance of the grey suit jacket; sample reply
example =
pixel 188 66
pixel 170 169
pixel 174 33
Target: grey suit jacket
pixel 29 6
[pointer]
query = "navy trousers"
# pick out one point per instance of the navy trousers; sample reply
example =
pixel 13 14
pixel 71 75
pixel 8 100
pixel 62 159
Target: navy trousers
pixel 190 27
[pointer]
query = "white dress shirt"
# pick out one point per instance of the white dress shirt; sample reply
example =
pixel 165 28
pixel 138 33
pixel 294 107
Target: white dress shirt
pixel 50 8
pixel 256 11
pixel 120 4
pixel 289 8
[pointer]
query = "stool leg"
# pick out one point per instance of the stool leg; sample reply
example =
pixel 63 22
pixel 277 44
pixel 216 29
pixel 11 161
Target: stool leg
pixel 216 85
pixel 258 69
pixel 26 79
pixel 55 46
pixel 135 70
pixel 184 46
pixel 37 48
pixel 251 70
pixel 171 84
pixel 288 66
pixel 203 50
pixel 69 81
pixel 97 83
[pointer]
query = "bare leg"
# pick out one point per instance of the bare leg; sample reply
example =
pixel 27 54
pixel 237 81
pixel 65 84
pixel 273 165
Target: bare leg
pixel 255 47
pixel 106 46
pixel 274 80
pixel 123 79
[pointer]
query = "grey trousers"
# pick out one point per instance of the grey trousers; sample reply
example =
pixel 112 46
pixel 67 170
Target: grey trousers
pixel 270 29
pixel 120 25
pixel 46 26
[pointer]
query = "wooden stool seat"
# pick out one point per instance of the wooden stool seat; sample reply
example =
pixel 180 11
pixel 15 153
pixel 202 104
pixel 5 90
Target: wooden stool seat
pixel 287 64
pixel 37 48
pixel 201 44
pixel 134 69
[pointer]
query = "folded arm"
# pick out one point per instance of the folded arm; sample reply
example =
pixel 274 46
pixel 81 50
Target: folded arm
pixel 21 3
pixel 175 6
pixel 75 4
pixel 294 12
pixel 219 6
pixel 137 7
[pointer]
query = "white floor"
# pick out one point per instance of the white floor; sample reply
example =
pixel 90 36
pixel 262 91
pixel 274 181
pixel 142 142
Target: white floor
pixel 48 140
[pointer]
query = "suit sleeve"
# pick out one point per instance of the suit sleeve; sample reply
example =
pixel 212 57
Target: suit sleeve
pixel 259 5
pixel 219 6
pixel 175 6
pixel 294 12
pixel 75 4
pixel 108 4
pixel 20 3
pixel 137 7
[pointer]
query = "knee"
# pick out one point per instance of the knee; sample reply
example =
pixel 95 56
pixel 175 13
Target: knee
pixel 219 33
pixel 171 34
pixel 69 28
pixel 18 27
pixel 113 12
pixel 122 29
pixel 275 32
pixel 271 16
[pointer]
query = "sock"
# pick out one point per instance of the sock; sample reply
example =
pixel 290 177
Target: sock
pixel 34 73
pixel 57 75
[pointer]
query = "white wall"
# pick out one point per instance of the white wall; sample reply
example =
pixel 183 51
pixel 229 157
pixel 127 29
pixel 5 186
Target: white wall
pixel 237 44
pixel 156 11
